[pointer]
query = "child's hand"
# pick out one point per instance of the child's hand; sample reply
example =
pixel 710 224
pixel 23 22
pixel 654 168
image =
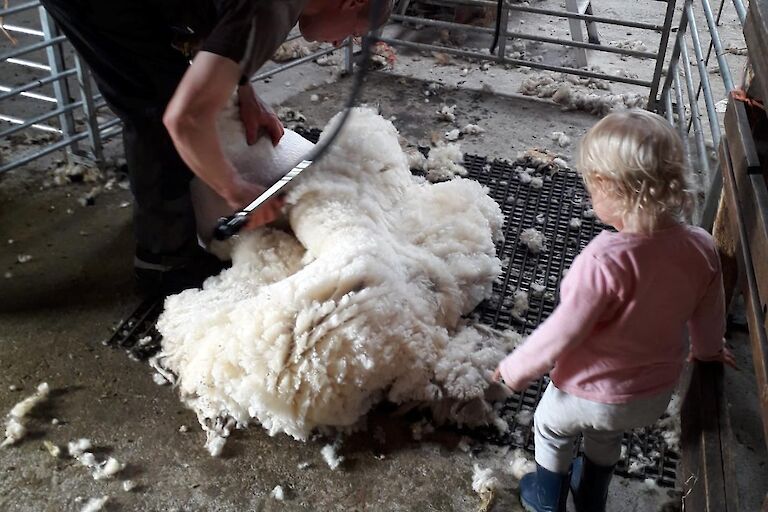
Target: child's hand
pixel 498 378
pixel 725 356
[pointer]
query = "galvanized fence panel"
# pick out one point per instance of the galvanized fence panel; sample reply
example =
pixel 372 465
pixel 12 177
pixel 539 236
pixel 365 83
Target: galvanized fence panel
pixel 506 35
pixel 683 104
pixel 47 89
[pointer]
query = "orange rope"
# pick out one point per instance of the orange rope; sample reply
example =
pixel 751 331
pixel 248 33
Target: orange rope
pixel 740 95
pixel 9 36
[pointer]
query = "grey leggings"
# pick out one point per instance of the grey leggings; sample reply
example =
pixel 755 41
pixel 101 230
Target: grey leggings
pixel 560 418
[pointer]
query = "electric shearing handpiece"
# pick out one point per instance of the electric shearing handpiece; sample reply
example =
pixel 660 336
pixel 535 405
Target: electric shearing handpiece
pixel 230 226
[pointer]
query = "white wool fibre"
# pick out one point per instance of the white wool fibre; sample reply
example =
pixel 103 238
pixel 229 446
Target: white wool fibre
pixel 520 464
pixel 331 456
pixel 559 87
pixel 16 422
pixel 483 480
pixel 534 239
pixel 444 162
pixel 452 135
pixel 95 504
pixel 365 302
pixel 278 493
pixel 485 484
pixel 447 113
pixel 472 129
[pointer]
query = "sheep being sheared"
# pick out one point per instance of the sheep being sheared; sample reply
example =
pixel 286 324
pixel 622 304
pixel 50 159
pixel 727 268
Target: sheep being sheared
pixel 363 302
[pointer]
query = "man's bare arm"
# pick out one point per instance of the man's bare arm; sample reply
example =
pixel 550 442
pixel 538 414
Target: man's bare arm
pixel 191 121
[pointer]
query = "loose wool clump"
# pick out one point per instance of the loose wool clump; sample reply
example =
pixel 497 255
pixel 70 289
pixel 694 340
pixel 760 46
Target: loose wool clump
pixel 524 417
pixel 278 493
pixel 79 450
pixel 559 87
pixel 95 504
pixel 520 304
pixel 520 464
pixel 452 135
pixel 416 160
pixel 16 422
pixel 533 239
pixel 485 484
pixel 670 423
pixel 444 162
pixel 447 113
pixel 472 129
pixel 364 301
pixel 291 50
pixel 331 456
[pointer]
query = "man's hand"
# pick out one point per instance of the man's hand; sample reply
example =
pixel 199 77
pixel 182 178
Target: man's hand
pixel 191 118
pixel 245 192
pixel 258 118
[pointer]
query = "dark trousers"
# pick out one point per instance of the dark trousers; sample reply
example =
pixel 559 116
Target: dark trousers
pixel 128 48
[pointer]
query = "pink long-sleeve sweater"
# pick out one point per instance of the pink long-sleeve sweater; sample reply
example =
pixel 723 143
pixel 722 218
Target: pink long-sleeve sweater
pixel 619 332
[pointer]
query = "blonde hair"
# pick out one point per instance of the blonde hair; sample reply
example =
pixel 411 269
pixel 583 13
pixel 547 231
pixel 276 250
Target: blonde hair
pixel 637 158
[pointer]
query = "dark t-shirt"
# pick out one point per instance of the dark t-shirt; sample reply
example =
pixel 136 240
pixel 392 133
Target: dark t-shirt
pixel 248 31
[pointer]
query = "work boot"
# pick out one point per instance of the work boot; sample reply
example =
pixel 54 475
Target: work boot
pixel 161 275
pixel 589 485
pixel 544 491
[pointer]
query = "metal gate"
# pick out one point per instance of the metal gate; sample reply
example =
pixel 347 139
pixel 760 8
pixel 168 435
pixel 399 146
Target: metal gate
pixel 575 16
pixel 681 98
pixel 53 96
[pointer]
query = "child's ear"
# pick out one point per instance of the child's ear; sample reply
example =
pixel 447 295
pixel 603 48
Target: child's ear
pixel 348 5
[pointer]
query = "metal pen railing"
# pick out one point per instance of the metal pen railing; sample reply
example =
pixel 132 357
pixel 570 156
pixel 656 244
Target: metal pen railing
pixel 500 55
pixel 69 115
pixel 699 89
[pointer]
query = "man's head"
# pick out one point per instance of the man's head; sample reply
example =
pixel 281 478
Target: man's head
pixel 334 20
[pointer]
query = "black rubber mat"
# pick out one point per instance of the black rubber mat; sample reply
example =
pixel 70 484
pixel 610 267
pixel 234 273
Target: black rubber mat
pixel 137 334
pixel 560 210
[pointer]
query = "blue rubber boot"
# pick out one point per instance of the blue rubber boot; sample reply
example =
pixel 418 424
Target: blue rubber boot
pixel 544 491
pixel 589 485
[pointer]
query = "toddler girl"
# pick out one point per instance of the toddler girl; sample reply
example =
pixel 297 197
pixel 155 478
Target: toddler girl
pixel 630 303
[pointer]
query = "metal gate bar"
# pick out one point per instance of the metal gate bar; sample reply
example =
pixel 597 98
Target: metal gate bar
pixel 67 82
pixel 507 60
pixel 527 37
pixel 501 57
pixel 697 86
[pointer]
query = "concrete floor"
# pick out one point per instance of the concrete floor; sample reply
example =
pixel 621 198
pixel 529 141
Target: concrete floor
pixel 60 306
pixel 56 310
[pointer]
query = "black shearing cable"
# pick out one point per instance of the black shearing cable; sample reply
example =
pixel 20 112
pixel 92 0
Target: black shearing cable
pixel 497 29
